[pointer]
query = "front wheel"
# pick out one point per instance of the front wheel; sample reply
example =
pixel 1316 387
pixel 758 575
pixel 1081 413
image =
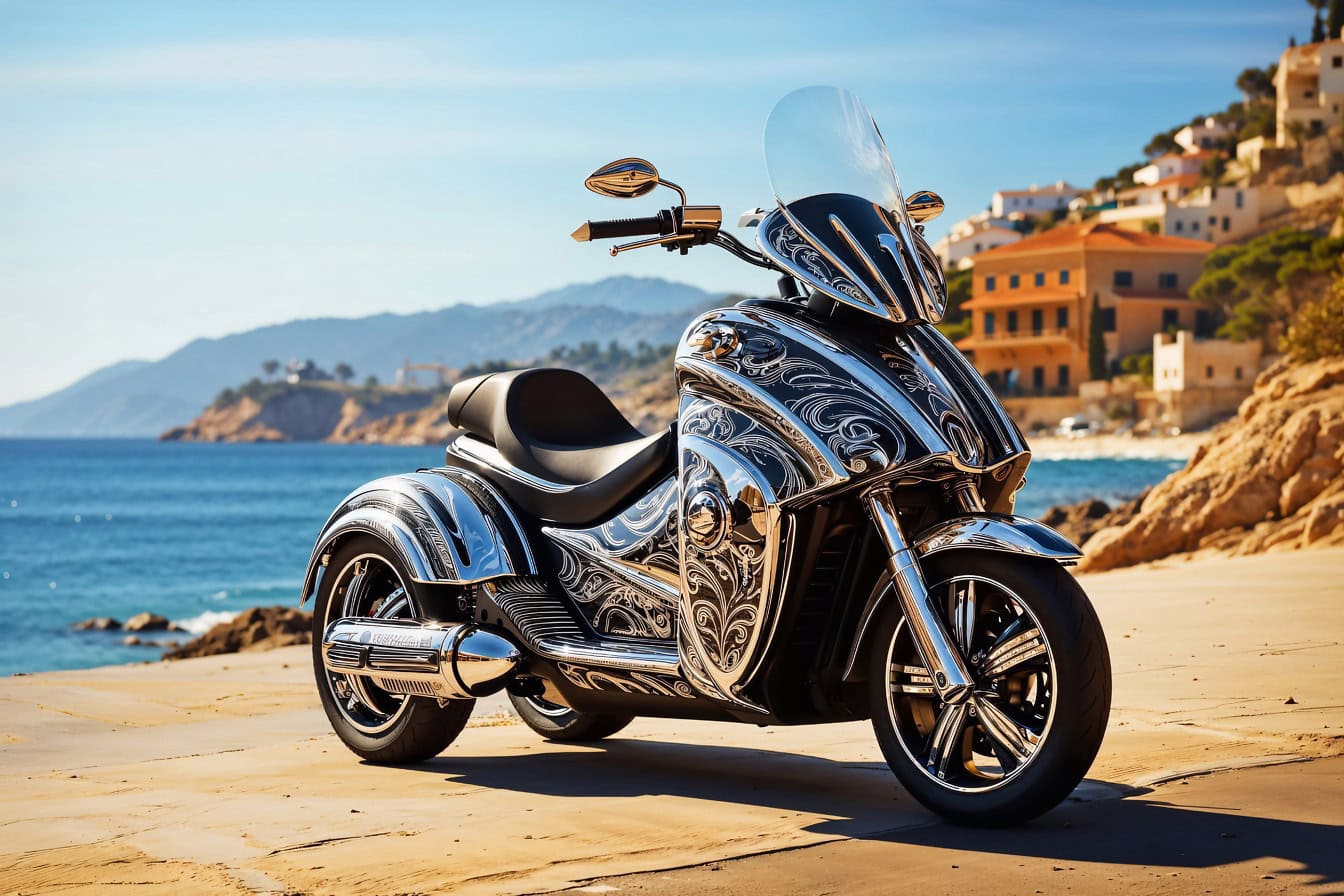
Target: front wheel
pixel 1042 690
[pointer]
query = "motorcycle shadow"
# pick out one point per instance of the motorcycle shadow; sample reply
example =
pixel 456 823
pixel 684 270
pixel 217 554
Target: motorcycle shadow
pixel 1101 822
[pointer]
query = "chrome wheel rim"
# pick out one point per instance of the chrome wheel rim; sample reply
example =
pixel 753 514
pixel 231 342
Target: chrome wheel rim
pixel 994 736
pixel 547 708
pixel 367 586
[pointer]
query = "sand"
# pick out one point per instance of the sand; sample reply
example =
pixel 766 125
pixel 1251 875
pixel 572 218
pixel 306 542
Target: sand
pixel 220 775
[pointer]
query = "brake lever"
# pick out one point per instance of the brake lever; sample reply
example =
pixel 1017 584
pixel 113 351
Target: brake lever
pixel 653 241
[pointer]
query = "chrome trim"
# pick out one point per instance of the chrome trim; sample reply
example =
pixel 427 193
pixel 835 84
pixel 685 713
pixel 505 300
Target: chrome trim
pixel 454 661
pixel 864 257
pixel 472 448
pixel 951 678
pixel 446 525
pixel 997 532
pixel 793 253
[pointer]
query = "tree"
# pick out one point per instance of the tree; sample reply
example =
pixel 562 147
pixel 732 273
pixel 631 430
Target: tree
pixel 1255 84
pixel 1212 168
pixel 1334 21
pixel 371 382
pixel 1297 131
pixel 1096 341
pixel 1317 25
pixel 344 372
pixel 271 367
pixel 1318 329
pixel 1162 143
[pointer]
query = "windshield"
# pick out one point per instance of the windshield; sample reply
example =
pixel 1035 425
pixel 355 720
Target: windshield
pixel 822 140
pixel 842 227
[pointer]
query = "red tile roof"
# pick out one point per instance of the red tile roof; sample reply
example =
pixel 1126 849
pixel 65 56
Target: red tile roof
pixel 1096 236
pixel 1175 180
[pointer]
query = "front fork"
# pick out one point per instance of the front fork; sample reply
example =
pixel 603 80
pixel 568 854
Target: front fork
pixel 951 679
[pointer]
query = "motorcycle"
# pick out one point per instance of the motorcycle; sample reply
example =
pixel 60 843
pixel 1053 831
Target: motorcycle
pixel 826 534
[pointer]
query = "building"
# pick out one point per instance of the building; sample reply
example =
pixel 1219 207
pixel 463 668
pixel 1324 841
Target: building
pixel 1170 165
pixel 1309 85
pixel 1202 135
pixel 1034 201
pixel 1031 301
pixel 978 233
pixel 1181 207
pixel 1199 381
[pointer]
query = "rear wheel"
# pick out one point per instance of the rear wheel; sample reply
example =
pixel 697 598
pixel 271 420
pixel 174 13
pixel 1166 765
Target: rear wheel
pixel 555 722
pixel 364 578
pixel 1042 690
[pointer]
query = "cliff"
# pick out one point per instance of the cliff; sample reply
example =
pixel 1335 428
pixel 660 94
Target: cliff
pixel 1268 479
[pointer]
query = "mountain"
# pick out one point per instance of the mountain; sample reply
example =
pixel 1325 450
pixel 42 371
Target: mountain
pixel 139 398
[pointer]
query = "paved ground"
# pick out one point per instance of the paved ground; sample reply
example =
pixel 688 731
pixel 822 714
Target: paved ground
pixel 220 775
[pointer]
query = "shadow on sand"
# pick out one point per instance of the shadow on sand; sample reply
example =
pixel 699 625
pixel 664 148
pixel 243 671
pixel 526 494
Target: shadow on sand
pixel 863 801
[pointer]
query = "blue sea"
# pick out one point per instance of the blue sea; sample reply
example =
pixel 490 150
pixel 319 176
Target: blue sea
pixel 199 532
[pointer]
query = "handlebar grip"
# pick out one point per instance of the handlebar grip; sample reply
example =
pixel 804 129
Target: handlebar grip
pixel 619 227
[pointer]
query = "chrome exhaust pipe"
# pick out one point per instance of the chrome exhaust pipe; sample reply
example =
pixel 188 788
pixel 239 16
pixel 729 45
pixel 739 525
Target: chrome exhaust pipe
pixel 450 661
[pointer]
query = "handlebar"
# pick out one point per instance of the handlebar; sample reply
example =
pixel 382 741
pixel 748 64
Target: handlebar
pixel 622 227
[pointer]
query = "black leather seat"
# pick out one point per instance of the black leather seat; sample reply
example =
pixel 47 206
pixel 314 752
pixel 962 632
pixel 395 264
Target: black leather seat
pixel 556 426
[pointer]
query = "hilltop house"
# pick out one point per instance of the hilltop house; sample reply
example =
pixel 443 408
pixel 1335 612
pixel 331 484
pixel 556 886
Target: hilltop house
pixel 978 233
pixel 1030 302
pixel 1034 201
pixel 1309 85
pixel 1198 381
pixel 1202 135
pixel 1170 165
pixel 1180 207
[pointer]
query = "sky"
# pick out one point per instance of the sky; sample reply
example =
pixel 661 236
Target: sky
pixel 171 169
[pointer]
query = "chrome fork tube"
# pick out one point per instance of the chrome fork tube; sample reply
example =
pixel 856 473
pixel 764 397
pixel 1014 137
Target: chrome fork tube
pixel 951 679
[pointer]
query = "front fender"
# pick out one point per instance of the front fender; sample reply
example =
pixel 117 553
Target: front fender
pixel 448 527
pixel 977 531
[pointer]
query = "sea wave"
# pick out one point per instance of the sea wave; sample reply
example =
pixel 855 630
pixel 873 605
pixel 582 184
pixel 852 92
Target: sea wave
pixel 199 625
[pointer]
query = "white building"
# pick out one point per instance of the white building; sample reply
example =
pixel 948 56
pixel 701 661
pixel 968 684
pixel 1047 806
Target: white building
pixel 1198 381
pixel 978 233
pixel 1170 165
pixel 1034 201
pixel 1309 87
pixel 1217 214
pixel 1194 137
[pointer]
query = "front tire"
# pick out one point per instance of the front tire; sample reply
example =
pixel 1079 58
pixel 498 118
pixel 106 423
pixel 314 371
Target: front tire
pixel 364 578
pixel 1042 696
pixel 560 723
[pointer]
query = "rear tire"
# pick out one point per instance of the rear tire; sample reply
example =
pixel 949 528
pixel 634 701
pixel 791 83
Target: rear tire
pixel 1042 699
pixel 560 723
pixel 377 726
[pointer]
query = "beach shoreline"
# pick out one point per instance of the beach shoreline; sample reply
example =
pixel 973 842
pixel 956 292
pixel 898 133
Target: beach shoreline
pixel 220 774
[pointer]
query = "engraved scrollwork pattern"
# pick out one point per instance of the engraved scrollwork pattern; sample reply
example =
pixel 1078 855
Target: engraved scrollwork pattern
pixel 799 254
pixel 626 682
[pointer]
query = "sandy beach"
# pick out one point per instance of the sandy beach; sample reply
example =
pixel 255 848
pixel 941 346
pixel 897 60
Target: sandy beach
pixel 1222 771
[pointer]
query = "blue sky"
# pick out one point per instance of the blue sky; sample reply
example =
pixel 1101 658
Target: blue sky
pixel 171 170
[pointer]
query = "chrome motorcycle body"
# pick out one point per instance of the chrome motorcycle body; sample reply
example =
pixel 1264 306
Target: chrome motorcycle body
pixel 830 447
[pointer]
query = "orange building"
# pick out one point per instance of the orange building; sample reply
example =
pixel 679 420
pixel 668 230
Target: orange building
pixel 1030 302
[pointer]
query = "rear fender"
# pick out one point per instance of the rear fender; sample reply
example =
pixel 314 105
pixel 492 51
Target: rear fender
pixel 448 526
pixel 978 531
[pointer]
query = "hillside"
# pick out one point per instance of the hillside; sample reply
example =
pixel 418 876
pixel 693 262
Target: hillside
pixel 146 398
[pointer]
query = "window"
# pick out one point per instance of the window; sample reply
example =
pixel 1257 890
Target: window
pixel 1180 225
pixel 1203 324
pixel 977 247
pixel 1107 319
pixel 1171 317
pixel 1064 277
pixel 1308 94
pixel 1194 227
pixel 1039 279
pixel 1012 322
pixel 989 284
pixel 1123 279
pixel 989 323
pixel 1037 321
pixel 1014 281
pixel 1063 376
pixel 1239 203
pixel 1213 221
pixel 1038 378
pixel 1227 223
pixel 1238 373
pixel 1030 202
pixel 1166 281
pixel 1337 62
pixel 1208 371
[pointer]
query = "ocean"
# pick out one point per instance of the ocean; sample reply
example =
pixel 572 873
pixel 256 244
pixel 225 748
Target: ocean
pixel 199 532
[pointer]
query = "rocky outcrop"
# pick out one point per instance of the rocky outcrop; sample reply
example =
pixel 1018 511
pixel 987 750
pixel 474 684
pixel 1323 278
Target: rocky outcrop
pixel 150 622
pixel 1269 479
pixel 97 624
pixel 260 628
pixel 1079 522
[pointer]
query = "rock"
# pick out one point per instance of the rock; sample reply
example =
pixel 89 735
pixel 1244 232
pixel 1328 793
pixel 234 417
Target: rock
pixel 260 628
pixel 150 622
pixel 97 624
pixel 1269 479
pixel 134 641
pixel 1079 522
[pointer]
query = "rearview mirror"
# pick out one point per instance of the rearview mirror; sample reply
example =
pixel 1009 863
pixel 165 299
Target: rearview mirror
pixel 623 179
pixel 924 205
